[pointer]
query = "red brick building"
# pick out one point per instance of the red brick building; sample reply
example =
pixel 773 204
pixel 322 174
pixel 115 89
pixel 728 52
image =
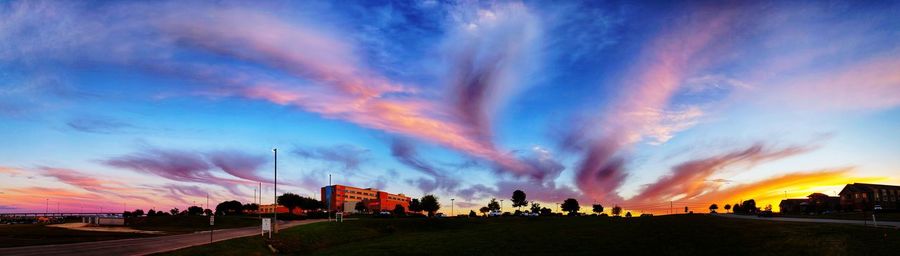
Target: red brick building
pixel 344 198
pixel 271 208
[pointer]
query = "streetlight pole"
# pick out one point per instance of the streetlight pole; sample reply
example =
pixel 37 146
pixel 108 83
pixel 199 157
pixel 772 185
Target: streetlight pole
pixel 501 206
pixel 275 191
pixel 452 213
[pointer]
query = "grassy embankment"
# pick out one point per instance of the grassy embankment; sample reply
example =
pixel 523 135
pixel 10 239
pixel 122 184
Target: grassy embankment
pixel 667 235
pixel 41 234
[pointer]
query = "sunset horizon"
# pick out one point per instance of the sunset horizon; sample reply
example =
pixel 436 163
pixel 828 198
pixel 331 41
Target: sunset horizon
pixel 117 106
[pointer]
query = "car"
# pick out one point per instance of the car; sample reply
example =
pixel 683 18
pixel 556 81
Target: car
pixel 495 214
pixel 530 214
pixel 877 207
pixel 384 213
pixel 439 215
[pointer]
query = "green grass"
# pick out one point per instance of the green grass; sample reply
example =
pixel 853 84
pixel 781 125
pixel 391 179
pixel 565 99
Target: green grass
pixel 40 234
pixel 188 224
pixel 668 235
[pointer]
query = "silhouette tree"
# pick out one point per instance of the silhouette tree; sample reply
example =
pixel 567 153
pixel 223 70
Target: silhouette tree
pixel 727 208
pixel 174 211
pixel 208 212
pixel 290 200
pixel 535 207
pixel 195 210
pixel 737 208
pixel 616 210
pixel 546 211
pixel 685 209
pixel 360 207
pixel 415 205
pixel 472 213
pixel 768 208
pixel 628 215
pixel 250 207
pixel 484 210
pixel 749 206
pixel 229 208
pixel 570 205
pixel 151 213
pixel 597 208
pixel 713 208
pixel 138 213
pixel 399 210
pixel 493 205
pixel 307 204
pixel 430 204
pixel 518 199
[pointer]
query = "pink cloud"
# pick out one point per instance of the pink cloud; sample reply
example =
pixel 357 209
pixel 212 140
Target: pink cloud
pixel 657 75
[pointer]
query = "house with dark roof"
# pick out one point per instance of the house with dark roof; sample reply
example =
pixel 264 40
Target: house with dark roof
pixel 793 205
pixel 864 197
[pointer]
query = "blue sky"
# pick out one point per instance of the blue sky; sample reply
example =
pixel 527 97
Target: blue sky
pixel 158 103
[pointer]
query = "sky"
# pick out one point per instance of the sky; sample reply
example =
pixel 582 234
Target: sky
pixel 114 105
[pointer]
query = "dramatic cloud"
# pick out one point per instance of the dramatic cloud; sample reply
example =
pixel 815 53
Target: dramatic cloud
pixel 187 166
pixel 639 112
pixel 83 181
pixel 406 154
pixel 240 164
pixel 690 179
pixel 477 191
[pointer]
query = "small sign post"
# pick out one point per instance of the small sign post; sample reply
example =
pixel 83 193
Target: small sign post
pixel 212 221
pixel 266 227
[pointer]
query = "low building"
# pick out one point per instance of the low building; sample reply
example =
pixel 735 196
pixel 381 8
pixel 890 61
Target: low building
pixel 344 199
pixel 271 208
pixel 864 197
pixel 793 205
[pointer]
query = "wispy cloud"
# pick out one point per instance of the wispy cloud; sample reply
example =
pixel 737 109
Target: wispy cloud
pixel 102 125
pixel 349 157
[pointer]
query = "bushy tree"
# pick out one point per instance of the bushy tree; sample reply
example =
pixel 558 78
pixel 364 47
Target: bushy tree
pixel 518 199
pixel 493 205
pixel 597 208
pixel 570 205
pixel 195 210
pixel 713 208
pixel 472 213
pixel 685 209
pixel 546 211
pixel 174 211
pixel 151 213
pixel 484 210
pixel 415 205
pixel 399 210
pixel 535 207
pixel 290 200
pixel 138 213
pixel 208 212
pixel 727 208
pixel 628 215
pixel 361 207
pixel 616 210
pixel 229 208
pixel 430 204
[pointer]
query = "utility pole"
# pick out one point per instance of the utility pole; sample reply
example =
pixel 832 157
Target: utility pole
pixel 275 192
pixel 47 207
pixel 670 207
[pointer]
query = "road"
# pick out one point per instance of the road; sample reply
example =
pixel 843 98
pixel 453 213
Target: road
pixel 895 224
pixel 142 246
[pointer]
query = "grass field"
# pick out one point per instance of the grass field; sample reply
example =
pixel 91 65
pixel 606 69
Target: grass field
pixel 882 216
pixel 40 234
pixel 188 224
pixel 667 235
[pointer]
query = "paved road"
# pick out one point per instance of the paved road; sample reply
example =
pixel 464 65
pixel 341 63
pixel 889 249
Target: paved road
pixel 142 246
pixel 895 224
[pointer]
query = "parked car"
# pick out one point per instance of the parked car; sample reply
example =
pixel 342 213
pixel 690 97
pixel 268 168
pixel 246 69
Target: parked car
pixel 877 207
pixel 765 214
pixel 530 214
pixel 495 214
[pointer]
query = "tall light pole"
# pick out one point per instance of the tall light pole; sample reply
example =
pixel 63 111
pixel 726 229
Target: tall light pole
pixel 275 191
pixel 452 213
pixel 501 206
